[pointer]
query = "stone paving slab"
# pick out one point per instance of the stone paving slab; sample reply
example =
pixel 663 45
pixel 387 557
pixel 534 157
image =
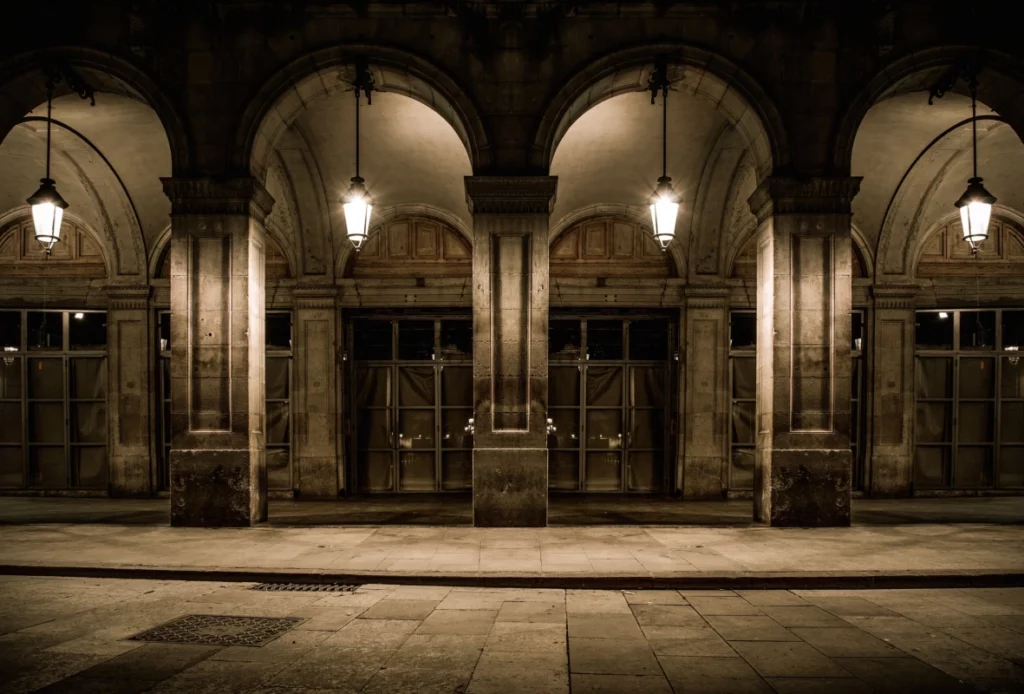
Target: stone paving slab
pixel 73 635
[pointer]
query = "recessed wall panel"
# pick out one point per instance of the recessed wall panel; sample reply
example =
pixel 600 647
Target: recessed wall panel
pixel 510 321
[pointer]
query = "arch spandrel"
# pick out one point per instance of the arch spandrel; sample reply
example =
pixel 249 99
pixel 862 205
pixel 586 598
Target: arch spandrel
pixel 941 252
pixel 81 253
pixel 609 246
pixel 412 246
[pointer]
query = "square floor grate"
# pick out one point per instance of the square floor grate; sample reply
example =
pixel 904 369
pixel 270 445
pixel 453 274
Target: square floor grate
pixel 218 630
pixel 307 587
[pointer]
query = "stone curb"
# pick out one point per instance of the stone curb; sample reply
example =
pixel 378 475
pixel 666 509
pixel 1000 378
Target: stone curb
pixel 745 580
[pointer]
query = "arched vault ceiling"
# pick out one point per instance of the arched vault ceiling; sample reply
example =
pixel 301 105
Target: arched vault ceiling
pixel 409 154
pixel 612 155
pixel 913 172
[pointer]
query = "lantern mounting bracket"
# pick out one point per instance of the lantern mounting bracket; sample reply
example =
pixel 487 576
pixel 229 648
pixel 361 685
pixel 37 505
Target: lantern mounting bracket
pixel 659 78
pixel 58 70
pixel 966 67
pixel 362 83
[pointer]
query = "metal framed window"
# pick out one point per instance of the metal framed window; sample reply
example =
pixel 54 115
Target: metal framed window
pixel 969 386
pixel 609 399
pixel 743 400
pixel 53 399
pixel 411 403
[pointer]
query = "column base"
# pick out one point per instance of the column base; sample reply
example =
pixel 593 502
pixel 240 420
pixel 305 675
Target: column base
pixel 702 479
pixel 318 477
pixel 217 489
pixel 129 476
pixel 803 488
pixel 510 487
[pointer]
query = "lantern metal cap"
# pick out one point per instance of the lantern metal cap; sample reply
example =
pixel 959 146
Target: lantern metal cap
pixel 976 192
pixel 47 193
pixel 664 190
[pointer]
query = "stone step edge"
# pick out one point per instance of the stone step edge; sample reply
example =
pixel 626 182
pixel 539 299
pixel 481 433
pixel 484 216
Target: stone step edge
pixel 747 580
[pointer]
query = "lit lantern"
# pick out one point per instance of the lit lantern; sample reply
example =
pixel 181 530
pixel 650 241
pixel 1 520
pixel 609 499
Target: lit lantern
pixel 47 208
pixel 358 205
pixel 665 202
pixel 975 209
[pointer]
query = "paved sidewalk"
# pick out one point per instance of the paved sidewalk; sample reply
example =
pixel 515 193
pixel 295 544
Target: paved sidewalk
pixel 75 635
pixel 560 556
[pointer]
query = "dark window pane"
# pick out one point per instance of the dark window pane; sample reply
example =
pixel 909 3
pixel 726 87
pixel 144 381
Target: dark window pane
pixel 978 330
pixel 977 377
pixel 47 467
pixel 564 339
pixel 278 423
pixel 457 386
pixel 10 378
pixel 46 379
pixel 934 423
pixel 457 340
pixel 417 472
pixel 10 330
pixel 373 429
pixel 88 379
pixel 744 378
pixel 604 339
pixel 648 339
pixel 604 429
pixel 416 340
pixel 416 429
pixel 604 386
pixel 455 429
pixel 645 471
pixel 88 423
pixel 973 467
pixel 934 330
pixel 564 385
pixel 372 387
pixel 743 422
pixel 931 464
pixel 1012 380
pixel 564 430
pixel 165 332
pixel 276 374
pixel 742 469
pixel 934 378
pixel 857 331
pixel 279 331
pixel 457 470
pixel 46 422
pixel 416 386
pixel 604 472
pixel 743 330
pixel 90 464
pixel 278 469
pixel 87 330
pixel 648 386
pixel 563 471
pixel 11 467
pixel 1011 466
pixel 45 330
pixel 10 424
pixel 375 470
pixel 1013 329
pixel 976 423
pixel 648 429
pixel 371 339
pixel 1012 425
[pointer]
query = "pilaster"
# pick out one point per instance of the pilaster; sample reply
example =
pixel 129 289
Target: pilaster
pixel 510 369
pixel 705 397
pixel 218 453
pixel 803 467
pixel 316 393
pixel 129 364
pixel 890 472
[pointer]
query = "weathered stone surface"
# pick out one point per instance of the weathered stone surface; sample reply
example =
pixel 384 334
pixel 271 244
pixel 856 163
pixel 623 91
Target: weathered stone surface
pixel 216 489
pixel 510 487
pixel 804 488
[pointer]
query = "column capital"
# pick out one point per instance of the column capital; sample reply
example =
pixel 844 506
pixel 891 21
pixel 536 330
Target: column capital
pixel 511 194
pixel 127 297
pixel 817 195
pixel 895 295
pixel 244 195
pixel 706 296
pixel 316 296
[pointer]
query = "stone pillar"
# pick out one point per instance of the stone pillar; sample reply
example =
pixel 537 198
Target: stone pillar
pixel 804 286
pixel 316 393
pixel 891 374
pixel 218 454
pixel 706 395
pixel 510 357
pixel 129 363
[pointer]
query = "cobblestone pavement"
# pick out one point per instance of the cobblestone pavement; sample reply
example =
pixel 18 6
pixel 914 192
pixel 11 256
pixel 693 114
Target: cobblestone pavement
pixel 71 635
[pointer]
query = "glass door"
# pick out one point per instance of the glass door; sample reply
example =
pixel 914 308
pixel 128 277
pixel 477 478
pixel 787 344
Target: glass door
pixel 608 402
pixel 412 404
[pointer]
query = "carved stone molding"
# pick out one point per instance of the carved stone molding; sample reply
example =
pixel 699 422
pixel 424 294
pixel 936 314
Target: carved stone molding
pixel 897 296
pixel 218 196
pixel 511 194
pixel 127 298
pixel 778 195
pixel 707 296
pixel 315 297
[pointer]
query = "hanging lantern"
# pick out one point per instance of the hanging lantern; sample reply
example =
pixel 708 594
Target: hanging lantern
pixel 358 205
pixel 665 202
pixel 47 208
pixel 975 211
pixel 357 212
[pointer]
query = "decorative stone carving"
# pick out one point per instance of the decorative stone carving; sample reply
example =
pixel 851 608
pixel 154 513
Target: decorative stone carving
pixel 895 296
pixel 127 297
pixel 510 194
pixel 227 196
pixel 777 195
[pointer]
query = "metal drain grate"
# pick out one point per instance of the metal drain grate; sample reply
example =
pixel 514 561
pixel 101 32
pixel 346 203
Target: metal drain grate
pixel 308 587
pixel 218 630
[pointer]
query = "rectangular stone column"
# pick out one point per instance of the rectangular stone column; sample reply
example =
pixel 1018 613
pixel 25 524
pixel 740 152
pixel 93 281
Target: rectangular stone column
pixel 706 395
pixel 129 363
pixel 890 471
pixel 510 358
pixel 316 392
pixel 804 287
pixel 218 454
